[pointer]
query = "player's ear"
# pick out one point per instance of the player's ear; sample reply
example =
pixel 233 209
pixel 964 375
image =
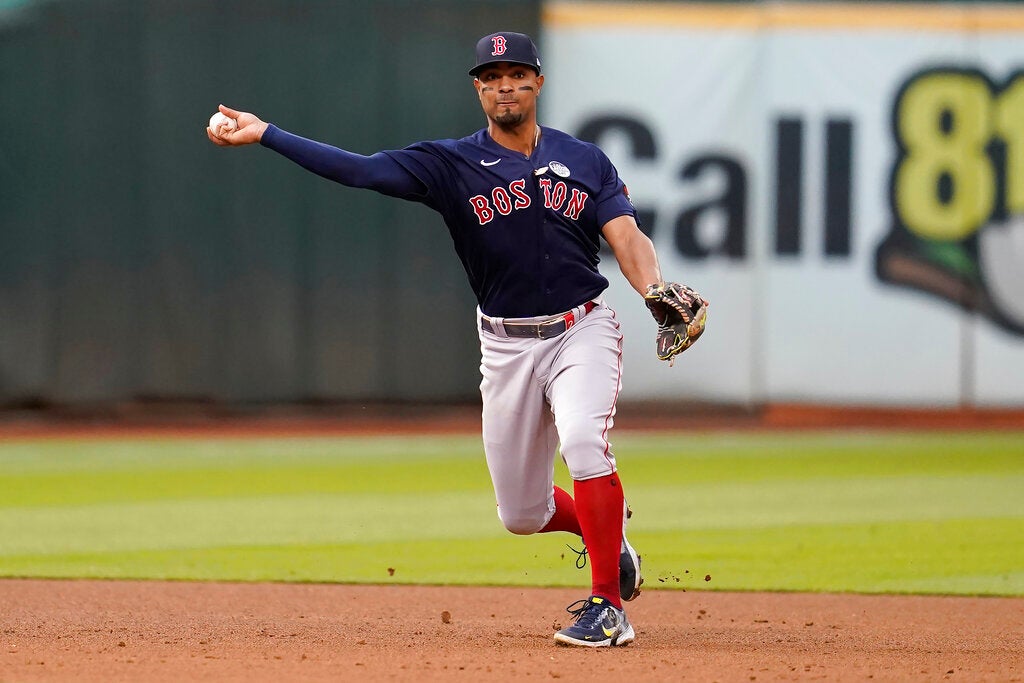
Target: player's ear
pixel 540 83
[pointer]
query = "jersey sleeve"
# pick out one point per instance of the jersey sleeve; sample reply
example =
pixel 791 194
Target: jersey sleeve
pixel 431 163
pixel 377 172
pixel 613 201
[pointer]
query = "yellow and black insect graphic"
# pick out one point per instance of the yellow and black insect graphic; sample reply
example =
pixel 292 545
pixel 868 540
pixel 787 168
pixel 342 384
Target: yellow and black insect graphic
pixel 957 192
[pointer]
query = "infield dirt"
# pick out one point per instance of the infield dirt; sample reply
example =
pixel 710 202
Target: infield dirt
pixel 178 631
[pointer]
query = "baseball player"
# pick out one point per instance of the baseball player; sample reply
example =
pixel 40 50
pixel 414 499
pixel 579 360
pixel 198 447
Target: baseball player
pixel 526 207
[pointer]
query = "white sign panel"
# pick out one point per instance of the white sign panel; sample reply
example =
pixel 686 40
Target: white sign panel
pixel 845 183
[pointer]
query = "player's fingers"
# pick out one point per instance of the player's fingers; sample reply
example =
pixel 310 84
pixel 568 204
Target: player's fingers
pixel 214 139
pixel 228 111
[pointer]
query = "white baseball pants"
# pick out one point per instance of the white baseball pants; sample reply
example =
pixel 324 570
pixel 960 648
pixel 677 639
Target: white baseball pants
pixel 539 394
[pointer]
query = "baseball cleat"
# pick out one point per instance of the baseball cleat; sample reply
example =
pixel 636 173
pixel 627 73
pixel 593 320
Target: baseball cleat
pixel 598 624
pixel 629 565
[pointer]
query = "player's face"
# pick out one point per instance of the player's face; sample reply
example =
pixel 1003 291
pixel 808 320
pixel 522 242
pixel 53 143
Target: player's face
pixel 508 93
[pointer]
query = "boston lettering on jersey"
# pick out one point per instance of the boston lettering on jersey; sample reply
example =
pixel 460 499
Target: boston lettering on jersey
pixel 504 201
pixel 526 228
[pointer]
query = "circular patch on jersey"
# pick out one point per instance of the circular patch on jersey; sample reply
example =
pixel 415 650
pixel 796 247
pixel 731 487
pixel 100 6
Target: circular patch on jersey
pixel 559 169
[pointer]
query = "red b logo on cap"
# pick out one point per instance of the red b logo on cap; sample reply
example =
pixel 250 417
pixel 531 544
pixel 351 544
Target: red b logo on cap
pixel 499 46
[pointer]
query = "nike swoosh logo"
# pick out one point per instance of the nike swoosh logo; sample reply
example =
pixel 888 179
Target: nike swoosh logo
pixel 609 632
pixel 489 163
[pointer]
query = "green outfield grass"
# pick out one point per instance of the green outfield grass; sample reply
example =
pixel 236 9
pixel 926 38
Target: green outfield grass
pixel 843 511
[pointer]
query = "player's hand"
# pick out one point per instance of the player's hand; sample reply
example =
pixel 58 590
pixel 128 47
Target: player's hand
pixel 250 129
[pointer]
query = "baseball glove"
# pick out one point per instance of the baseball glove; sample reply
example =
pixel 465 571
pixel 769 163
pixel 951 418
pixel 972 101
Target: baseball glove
pixel 680 313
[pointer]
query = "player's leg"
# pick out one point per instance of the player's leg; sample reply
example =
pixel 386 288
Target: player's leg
pixel 519 437
pixel 599 503
pixel 563 518
pixel 583 388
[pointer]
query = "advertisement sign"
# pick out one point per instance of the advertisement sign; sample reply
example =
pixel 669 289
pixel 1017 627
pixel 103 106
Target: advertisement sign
pixel 844 183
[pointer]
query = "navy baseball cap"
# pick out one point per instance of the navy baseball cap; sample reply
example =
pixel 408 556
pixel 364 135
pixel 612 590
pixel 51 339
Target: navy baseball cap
pixel 505 46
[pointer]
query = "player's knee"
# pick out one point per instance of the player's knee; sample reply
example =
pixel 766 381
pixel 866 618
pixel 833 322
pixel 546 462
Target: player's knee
pixel 522 524
pixel 586 455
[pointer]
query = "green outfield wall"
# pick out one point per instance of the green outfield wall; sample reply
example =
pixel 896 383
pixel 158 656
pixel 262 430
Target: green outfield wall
pixel 138 260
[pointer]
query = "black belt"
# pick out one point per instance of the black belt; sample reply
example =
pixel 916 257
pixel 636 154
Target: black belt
pixel 544 329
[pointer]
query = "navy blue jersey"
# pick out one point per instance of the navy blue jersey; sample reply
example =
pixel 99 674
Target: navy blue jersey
pixel 527 229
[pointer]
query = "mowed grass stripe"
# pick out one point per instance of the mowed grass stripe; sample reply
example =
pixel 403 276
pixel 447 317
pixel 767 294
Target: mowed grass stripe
pixel 68 472
pixel 945 449
pixel 500 560
pixel 822 501
pixel 961 556
pixel 206 523
pixel 60 455
pixel 240 481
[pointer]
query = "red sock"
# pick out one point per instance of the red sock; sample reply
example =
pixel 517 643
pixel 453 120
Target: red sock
pixel 599 510
pixel 564 518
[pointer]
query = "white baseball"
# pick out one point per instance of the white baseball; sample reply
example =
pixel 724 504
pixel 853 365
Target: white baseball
pixel 222 124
